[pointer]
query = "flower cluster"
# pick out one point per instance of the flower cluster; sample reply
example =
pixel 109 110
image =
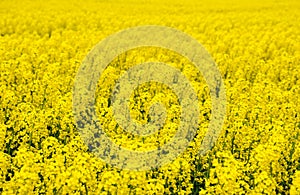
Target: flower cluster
pixel 255 45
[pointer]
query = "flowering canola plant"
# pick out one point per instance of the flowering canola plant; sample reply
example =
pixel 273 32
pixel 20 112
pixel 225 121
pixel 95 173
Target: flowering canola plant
pixel 254 44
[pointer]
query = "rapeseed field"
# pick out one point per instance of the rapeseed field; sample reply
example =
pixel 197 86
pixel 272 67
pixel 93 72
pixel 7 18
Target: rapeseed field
pixel 255 45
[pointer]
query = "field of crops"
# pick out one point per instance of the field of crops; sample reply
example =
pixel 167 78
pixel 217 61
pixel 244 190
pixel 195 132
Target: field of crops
pixel 255 45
